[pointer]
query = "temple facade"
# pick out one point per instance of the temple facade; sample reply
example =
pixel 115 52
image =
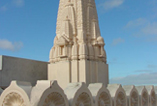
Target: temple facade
pixel 78 53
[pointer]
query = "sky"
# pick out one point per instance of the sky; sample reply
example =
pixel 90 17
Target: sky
pixel 129 28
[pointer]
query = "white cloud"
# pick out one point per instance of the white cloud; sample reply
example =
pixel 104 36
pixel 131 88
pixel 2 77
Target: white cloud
pixel 143 28
pixel 18 3
pixel 3 8
pixel 141 79
pixel 152 66
pixel 146 27
pixel 136 23
pixel 7 45
pixel 110 4
pixel 150 29
pixel 117 41
pixel 13 3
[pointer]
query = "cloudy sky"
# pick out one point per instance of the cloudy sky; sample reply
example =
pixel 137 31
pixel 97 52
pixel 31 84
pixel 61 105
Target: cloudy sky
pixel 129 28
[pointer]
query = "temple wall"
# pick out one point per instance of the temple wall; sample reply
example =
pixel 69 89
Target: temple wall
pixel 12 68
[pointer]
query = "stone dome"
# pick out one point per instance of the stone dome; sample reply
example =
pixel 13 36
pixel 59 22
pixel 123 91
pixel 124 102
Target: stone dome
pixel 100 39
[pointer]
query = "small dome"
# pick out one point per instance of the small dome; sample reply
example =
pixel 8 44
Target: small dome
pixel 100 39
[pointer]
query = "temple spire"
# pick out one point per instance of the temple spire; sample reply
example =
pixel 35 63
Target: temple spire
pixel 77 19
pixel 78 46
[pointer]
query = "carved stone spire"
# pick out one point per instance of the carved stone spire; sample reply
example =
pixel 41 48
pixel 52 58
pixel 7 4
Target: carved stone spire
pixel 77 19
pixel 78 43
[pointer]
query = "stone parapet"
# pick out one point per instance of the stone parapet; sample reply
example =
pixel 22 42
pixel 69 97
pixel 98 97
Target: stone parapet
pixel 49 93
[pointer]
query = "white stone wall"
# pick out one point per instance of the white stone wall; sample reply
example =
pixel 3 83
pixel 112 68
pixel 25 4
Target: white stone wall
pixel 12 68
pixel 49 93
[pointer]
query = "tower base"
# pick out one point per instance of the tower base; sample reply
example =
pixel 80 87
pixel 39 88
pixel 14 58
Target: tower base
pixel 78 71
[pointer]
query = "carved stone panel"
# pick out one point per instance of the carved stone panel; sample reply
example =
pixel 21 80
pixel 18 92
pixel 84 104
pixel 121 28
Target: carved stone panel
pixel 83 100
pixel 54 99
pixel 13 99
pixel 153 99
pixel 120 100
pixel 144 99
pixel 134 99
pixel 104 99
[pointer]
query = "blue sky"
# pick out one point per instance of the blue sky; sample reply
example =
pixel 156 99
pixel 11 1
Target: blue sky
pixel 129 28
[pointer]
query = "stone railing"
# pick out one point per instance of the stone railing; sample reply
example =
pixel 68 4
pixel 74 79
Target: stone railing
pixel 49 93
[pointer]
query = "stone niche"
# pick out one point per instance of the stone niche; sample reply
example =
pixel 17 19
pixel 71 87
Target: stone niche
pixel 78 95
pixel 143 96
pixel 132 95
pixel 101 95
pixel 118 95
pixel 48 93
pixel 152 95
pixel 17 94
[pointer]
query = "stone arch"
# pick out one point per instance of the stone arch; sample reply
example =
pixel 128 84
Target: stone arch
pixel 152 95
pixel 17 94
pixel 132 95
pixel 118 95
pixel 47 93
pixel 53 96
pixel 78 95
pixel 101 95
pixel 143 96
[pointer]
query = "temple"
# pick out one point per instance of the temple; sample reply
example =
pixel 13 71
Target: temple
pixel 77 70
pixel 78 53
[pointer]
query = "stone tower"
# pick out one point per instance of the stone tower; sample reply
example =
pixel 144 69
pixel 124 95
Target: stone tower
pixel 78 53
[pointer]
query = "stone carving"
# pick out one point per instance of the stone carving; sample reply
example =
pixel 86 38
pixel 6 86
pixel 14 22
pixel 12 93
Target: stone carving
pixel 48 93
pixel 132 95
pixel 101 95
pixel 78 18
pixel 144 99
pixel 121 99
pixel 143 95
pixel 151 94
pixel 17 94
pixel 13 99
pixel 134 99
pixel 78 95
pixel 78 45
pixel 54 99
pixel 104 99
pixel 153 99
pixel 118 94
pixel 83 100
